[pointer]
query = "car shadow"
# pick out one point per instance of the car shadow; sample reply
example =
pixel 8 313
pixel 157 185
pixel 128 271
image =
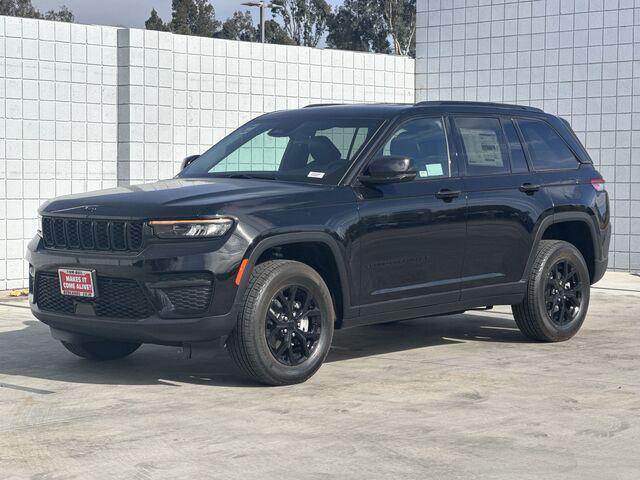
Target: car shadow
pixel 382 339
pixel 31 352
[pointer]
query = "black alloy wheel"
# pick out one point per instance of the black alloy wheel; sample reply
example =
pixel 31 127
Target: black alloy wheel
pixel 293 325
pixel 284 328
pixel 563 293
pixel 557 294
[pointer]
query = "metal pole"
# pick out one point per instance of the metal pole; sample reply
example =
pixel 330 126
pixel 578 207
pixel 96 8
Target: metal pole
pixel 262 7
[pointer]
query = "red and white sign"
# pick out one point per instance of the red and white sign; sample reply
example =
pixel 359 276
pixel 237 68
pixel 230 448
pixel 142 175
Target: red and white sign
pixel 78 283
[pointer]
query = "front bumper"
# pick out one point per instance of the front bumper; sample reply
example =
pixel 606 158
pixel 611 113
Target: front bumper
pixel 153 329
pixel 151 270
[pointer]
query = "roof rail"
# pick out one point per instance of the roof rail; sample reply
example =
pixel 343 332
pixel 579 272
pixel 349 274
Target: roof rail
pixel 453 103
pixel 322 105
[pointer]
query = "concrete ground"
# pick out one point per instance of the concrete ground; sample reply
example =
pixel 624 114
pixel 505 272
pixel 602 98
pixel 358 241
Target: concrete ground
pixel 464 396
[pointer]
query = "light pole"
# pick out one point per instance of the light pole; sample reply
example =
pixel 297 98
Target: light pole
pixel 262 5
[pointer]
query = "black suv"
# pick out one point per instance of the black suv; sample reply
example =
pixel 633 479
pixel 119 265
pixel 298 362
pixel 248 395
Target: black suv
pixel 331 216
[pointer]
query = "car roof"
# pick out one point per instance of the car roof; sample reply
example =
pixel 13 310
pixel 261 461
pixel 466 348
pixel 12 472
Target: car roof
pixel 389 110
pixel 376 110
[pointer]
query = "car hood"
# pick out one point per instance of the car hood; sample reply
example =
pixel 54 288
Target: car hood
pixel 190 197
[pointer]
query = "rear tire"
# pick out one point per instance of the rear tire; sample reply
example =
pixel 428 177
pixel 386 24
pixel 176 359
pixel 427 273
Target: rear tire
pixel 102 350
pixel 557 296
pixel 284 330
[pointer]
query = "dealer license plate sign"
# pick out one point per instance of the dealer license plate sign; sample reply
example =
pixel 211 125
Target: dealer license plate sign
pixel 77 283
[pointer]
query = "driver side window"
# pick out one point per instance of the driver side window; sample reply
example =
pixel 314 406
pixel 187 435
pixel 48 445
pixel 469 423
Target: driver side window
pixel 424 141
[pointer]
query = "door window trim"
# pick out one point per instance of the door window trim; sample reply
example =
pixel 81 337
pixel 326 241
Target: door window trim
pixel 362 156
pixel 510 119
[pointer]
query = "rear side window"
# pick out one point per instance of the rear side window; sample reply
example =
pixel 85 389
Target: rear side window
pixel 484 146
pixel 547 149
pixel 518 160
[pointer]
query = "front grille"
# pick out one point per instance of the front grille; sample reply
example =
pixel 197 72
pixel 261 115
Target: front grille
pixel 117 297
pixel 105 235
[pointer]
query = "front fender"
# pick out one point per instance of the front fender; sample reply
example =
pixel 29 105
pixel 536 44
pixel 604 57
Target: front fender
pixel 274 239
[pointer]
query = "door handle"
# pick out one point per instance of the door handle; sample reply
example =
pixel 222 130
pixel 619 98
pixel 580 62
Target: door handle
pixel 446 194
pixel 529 187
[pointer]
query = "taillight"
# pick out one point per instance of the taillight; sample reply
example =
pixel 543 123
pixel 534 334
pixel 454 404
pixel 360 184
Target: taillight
pixel 598 184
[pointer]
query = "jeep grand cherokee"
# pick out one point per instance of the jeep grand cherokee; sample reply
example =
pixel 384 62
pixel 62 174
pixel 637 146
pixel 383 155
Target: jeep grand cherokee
pixel 330 216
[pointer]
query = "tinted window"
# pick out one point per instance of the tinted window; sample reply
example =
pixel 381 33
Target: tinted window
pixel 347 140
pixel 484 147
pixel 263 153
pixel 424 141
pixel 547 150
pixel 518 160
pixel 286 147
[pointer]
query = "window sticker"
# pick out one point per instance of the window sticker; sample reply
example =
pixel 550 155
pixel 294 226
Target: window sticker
pixel 482 146
pixel 423 173
pixel 315 174
pixel 434 169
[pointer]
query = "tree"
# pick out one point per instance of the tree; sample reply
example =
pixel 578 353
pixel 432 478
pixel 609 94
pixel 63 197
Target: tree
pixel 62 15
pixel 183 11
pixel 204 22
pixel 304 21
pixel 370 25
pixel 240 27
pixel 194 17
pixel 358 25
pixel 400 21
pixel 274 33
pixel 24 8
pixel 154 22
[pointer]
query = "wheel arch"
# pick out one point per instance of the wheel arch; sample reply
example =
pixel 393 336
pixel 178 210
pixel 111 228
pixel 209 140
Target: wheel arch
pixel 577 228
pixel 316 249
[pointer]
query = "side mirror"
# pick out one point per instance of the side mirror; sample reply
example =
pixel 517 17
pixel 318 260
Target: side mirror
pixel 389 169
pixel 188 161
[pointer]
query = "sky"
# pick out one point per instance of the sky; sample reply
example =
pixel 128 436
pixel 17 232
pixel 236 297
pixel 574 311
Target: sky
pixel 133 13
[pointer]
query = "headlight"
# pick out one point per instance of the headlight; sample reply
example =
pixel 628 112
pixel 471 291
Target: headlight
pixel 39 231
pixel 215 227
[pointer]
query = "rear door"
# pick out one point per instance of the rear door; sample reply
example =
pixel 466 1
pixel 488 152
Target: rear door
pixel 504 201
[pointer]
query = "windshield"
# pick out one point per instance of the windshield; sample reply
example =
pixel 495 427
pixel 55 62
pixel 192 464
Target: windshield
pixel 287 148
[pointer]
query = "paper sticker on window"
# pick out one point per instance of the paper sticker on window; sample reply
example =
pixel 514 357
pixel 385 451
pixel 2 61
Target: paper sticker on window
pixel 434 169
pixel 315 174
pixel 482 146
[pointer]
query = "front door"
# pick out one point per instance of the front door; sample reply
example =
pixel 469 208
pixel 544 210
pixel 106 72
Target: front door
pixel 412 234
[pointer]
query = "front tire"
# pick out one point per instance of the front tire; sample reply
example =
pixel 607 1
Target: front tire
pixel 284 330
pixel 557 297
pixel 101 350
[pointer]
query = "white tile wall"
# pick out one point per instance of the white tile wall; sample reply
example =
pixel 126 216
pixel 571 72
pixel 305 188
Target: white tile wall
pixel 179 94
pixel 87 107
pixel 576 58
pixel 58 123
